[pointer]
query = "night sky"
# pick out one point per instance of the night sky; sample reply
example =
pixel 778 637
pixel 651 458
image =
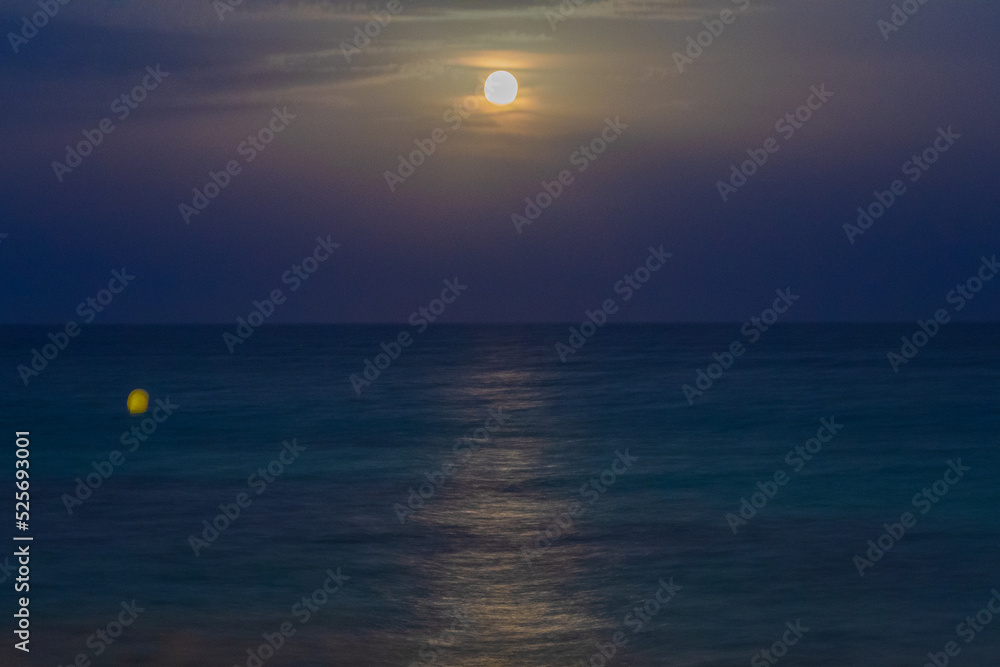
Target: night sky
pixel 214 83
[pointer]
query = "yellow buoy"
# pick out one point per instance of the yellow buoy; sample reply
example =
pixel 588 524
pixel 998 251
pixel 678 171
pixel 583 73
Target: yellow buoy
pixel 138 401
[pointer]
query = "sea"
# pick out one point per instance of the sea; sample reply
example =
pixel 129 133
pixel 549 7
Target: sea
pixel 328 496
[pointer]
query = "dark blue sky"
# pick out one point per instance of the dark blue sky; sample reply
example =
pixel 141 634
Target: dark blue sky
pixel 341 117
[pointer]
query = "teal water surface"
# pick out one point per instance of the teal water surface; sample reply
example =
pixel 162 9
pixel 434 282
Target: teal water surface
pixel 482 503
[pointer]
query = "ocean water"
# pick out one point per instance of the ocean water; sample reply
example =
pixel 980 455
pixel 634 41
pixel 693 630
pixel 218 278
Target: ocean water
pixel 452 499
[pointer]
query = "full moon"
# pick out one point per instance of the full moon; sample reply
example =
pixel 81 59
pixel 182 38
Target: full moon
pixel 500 87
